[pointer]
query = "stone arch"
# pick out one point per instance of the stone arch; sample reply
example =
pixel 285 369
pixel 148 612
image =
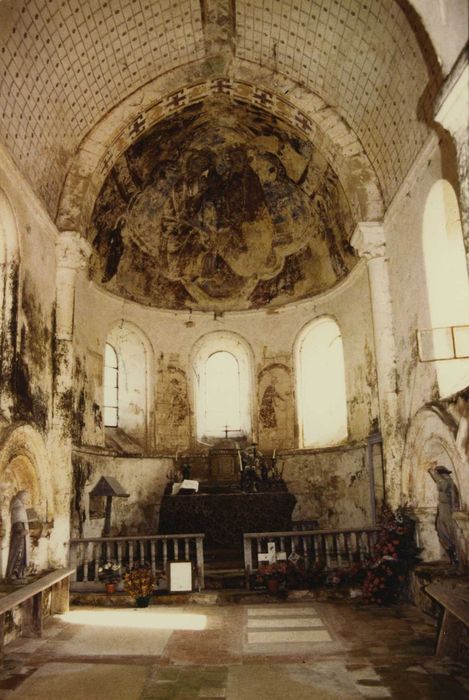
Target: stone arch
pixel 303 109
pixel 321 408
pixel 24 464
pixel 447 280
pixel 135 357
pixel 9 280
pixel 431 440
pixel 235 344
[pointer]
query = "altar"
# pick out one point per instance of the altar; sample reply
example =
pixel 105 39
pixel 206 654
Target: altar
pixel 225 517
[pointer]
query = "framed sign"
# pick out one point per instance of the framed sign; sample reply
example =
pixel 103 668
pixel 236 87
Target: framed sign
pixel 180 576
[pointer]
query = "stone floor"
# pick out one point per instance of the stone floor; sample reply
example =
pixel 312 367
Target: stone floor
pixel 306 650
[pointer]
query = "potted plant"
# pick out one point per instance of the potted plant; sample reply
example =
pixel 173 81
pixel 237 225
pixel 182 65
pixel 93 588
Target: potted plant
pixel 109 574
pixel 273 575
pixel 139 582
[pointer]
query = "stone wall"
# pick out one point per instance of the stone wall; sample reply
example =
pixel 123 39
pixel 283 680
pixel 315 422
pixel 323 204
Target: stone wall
pixel 143 479
pixel 271 338
pixel 33 433
pixel 331 486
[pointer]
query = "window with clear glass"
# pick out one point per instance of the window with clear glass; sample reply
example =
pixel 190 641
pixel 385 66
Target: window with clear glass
pixel 111 387
pixel 222 395
pixel 320 378
pixel 447 284
pixel 223 386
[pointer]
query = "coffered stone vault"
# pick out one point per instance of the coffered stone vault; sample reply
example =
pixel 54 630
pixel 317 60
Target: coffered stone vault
pixel 64 66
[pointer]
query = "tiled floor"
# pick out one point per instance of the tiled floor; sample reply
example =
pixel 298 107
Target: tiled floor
pixel 278 651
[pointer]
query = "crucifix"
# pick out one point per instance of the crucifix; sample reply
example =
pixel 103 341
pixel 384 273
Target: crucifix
pixel 229 430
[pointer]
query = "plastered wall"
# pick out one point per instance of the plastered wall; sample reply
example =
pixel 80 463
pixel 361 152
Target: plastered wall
pixel 31 428
pixel 271 338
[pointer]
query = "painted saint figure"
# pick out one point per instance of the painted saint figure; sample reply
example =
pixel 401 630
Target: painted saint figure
pixel 267 412
pixel 18 552
pixel 448 501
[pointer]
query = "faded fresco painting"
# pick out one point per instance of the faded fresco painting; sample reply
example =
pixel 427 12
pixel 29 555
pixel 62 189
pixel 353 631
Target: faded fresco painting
pixel 219 209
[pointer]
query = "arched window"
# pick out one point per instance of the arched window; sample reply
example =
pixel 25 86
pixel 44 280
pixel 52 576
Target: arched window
pixel 222 394
pixel 111 387
pixel 222 369
pixel 126 382
pixel 447 283
pixel 320 381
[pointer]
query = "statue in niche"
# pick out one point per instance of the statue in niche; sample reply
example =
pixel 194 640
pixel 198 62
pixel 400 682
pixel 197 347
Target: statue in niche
pixel 269 402
pixel 18 552
pixel 448 501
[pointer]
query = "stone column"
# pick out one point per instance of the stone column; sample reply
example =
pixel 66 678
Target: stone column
pixel 369 242
pixel 452 112
pixel 72 254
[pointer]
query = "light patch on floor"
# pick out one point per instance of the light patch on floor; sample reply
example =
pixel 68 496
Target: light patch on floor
pixel 254 622
pixel 146 618
pixel 83 682
pixel 288 636
pixel 274 611
pixel 285 625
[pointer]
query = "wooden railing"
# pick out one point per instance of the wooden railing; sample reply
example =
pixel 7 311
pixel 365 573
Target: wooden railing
pixel 328 548
pixel 88 554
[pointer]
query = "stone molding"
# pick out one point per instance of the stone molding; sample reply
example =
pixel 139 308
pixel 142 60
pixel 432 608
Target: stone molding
pixel 72 251
pixel 452 104
pixel 369 240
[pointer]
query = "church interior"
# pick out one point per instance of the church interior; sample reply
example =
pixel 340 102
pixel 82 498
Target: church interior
pixel 234 307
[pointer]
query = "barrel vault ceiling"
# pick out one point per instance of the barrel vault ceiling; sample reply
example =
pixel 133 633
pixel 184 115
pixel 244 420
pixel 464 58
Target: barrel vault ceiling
pixel 65 65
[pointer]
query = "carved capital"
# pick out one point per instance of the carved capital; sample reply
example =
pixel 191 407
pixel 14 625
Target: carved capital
pixel 368 240
pixel 452 104
pixel 72 251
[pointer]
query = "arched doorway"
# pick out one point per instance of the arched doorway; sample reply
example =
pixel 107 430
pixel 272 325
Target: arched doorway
pixel 430 442
pixel 24 465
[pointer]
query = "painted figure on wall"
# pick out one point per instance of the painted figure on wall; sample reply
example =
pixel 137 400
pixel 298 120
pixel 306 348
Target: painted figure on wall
pixel 448 501
pixel 18 551
pixel 178 402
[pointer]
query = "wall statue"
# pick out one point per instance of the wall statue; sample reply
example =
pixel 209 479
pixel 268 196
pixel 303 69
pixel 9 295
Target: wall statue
pixel 448 501
pixel 18 556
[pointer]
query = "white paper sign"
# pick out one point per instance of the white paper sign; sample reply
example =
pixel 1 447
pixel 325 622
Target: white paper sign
pixel 271 552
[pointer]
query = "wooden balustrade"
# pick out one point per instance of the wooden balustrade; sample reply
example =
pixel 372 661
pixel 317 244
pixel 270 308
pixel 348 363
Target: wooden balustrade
pixel 328 548
pixel 88 554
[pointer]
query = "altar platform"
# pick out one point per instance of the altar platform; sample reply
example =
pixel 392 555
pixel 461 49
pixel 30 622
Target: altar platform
pixel 226 515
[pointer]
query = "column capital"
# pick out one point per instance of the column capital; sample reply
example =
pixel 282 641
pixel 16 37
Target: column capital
pixel 452 103
pixel 368 239
pixel 72 250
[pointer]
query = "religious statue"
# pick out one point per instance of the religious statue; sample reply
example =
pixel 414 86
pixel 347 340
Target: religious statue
pixel 448 501
pixel 18 552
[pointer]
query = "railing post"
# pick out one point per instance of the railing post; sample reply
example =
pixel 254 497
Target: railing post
pixel 72 559
pixel 247 554
pixel 199 545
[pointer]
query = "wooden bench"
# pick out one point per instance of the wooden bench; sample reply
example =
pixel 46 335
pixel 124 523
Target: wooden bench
pixel 30 600
pixel 453 596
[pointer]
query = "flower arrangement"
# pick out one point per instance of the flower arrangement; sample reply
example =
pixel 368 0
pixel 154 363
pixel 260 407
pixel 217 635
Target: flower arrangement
pixel 395 553
pixel 276 571
pixel 139 581
pixel 109 572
